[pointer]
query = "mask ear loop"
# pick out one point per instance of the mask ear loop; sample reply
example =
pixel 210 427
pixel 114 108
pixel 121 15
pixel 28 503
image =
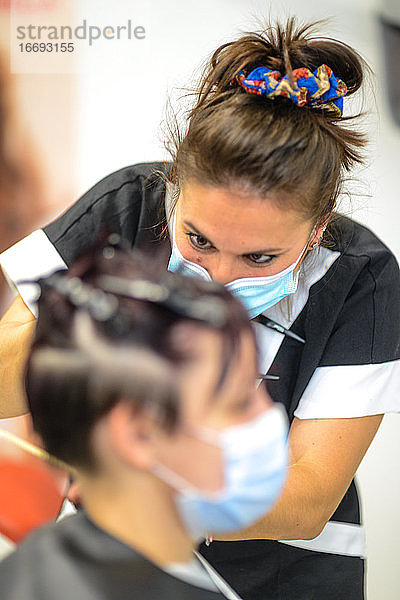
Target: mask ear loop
pixel 326 222
pixel 318 242
pixel 303 253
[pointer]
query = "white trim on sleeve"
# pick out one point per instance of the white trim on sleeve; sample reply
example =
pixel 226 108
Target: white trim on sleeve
pixel 31 258
pixel 335 538
pixel 348 391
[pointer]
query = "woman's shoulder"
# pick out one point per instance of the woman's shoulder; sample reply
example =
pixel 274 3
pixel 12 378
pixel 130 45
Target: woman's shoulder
pixel 145 173
pixel 363 255
pixel 352 239
pixel 120 201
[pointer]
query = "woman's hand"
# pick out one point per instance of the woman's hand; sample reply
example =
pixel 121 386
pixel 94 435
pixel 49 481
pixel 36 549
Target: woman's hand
pixel 16 330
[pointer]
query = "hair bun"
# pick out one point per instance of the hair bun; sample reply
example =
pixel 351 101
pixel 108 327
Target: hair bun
pixel 285 47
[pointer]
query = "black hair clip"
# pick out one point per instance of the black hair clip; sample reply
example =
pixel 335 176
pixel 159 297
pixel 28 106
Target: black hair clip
pixel 208 309
pixel 101 306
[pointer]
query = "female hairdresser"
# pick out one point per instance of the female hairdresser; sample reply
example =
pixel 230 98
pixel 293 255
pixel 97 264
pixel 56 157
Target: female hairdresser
pixel 148 371
pixel 255 178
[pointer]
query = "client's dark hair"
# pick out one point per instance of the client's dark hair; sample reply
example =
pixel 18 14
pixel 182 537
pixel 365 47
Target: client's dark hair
pixel 105 334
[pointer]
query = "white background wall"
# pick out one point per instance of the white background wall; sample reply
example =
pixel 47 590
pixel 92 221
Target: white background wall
pixel 121 99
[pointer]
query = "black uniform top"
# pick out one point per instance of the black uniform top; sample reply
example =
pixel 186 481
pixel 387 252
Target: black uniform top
pixel 75 560
pixel 346 307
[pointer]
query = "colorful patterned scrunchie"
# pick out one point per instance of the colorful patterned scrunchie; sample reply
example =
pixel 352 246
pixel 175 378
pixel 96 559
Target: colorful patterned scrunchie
pixel 320 88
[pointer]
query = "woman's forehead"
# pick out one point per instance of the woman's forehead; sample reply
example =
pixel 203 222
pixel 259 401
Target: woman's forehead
pixel 250 221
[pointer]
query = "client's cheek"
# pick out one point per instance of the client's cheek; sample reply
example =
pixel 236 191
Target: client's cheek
pixel 198 462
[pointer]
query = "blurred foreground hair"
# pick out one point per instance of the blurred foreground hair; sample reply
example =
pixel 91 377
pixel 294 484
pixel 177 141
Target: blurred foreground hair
pixel 105 334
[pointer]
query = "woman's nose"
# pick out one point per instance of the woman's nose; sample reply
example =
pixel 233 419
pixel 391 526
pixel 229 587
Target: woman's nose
pixel 221 270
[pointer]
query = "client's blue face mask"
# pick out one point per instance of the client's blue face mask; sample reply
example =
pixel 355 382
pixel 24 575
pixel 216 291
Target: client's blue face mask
pixel 256 293
pixel 255 459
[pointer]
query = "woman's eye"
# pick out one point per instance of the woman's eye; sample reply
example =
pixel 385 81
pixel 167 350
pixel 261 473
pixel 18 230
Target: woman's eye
pixel 198 241
pixel 260 259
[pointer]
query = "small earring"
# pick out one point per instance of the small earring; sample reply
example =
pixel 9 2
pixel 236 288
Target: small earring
pixel 315 246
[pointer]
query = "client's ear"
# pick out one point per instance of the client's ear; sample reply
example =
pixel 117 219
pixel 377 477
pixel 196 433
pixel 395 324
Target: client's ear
pixel 130 435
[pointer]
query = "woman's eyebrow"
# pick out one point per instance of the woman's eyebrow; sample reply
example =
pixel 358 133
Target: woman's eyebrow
pixel 191 226
pixel 263 251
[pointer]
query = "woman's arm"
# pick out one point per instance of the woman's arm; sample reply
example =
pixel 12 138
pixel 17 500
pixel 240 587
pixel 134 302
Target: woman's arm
pixel 325 454
pixel 350 375
pixel 16 330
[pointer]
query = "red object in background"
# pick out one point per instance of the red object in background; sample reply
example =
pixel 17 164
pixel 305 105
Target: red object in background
pixel 29 497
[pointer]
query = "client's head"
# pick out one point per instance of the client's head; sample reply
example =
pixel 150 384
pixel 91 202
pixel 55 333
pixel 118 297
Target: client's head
pixel 141 375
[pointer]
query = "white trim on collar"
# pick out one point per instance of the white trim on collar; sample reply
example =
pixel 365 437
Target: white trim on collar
pixel 6 546
pixel 315 266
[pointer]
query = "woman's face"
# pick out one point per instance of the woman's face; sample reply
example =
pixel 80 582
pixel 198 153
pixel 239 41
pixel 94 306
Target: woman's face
pixel 238 401
pixel 234 236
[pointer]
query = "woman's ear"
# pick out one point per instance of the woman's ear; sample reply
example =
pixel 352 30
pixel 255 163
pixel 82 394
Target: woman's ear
pixel 319 231
pixel 130 434
pixel 316 238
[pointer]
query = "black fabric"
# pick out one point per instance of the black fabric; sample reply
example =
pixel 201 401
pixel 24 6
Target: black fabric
pixel 352 317
pixel 267 570
pixel 75 560
pixel 129 202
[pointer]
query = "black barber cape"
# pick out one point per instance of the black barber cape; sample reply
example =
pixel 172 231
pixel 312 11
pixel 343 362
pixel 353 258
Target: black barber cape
pixel 346 308
pixel 75 560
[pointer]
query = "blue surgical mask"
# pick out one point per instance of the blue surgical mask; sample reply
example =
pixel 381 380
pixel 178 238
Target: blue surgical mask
pixel 256 293
pixel 255 467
